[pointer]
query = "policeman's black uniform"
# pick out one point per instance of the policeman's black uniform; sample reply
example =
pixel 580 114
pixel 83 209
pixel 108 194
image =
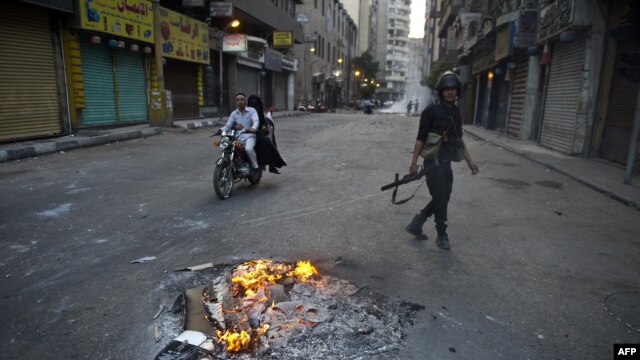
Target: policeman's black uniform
pixel 439 118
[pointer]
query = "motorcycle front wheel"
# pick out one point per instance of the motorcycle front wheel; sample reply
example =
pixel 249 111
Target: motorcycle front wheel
pixel 222 180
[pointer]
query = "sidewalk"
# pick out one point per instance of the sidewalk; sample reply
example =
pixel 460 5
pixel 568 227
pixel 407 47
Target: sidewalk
pixel 600 175
pixel 94 137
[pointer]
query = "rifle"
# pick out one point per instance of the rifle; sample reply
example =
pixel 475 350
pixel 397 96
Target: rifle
pixel 405 179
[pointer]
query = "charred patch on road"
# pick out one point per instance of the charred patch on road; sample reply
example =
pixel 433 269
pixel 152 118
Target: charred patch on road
pixel 261 309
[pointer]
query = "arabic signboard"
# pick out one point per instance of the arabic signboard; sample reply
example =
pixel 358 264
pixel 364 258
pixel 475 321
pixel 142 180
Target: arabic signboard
pixel 555 18
pixel 302 17
pixel 192 3
pixel 220 9
pixel 505 41
pixel 131 19
pixel 183 38
pixel 282 39
pixel 310 37
pixel 527 29
pixel 272 60
pixel 234 43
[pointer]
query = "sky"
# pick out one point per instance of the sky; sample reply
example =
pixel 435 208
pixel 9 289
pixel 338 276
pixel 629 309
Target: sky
pixel 416 29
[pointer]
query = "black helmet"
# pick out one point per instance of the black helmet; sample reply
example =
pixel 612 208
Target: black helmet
pixel 448 80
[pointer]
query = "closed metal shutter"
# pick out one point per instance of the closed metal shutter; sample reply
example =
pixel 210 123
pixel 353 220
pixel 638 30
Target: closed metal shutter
pixel 561 98
pixel 518 91
pixel 131 85
pixel 280 91
pixel 248 81
pixel 99 88
pixel 28 88
pixel 181 78
pixel 620 113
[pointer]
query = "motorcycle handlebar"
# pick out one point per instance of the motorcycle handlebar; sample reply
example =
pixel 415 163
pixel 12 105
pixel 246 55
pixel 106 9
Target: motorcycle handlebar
pixel 237 132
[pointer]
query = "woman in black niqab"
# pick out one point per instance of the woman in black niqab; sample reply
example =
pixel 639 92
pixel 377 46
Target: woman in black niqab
pixel 266 149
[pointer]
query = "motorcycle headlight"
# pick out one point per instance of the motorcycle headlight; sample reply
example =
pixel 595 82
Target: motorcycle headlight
pixel 225 142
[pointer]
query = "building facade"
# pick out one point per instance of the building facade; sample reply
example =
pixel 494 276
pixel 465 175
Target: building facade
pixel 393 48
pixel 560 72
pixel 365 16
pixel 325 77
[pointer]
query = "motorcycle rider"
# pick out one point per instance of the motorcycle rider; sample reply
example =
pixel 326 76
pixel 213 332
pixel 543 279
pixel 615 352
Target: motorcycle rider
pixel 245 117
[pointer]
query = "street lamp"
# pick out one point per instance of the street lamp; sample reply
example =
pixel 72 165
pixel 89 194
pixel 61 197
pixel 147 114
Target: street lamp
pixel 233 24
pixel 356 75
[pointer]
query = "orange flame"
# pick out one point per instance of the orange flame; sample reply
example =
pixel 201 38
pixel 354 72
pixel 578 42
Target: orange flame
pixel 304 270
pixel 258 274
pixel 234 340
pixel 253 277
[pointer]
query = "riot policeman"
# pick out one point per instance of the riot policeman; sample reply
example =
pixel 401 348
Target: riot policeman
pixel 444 119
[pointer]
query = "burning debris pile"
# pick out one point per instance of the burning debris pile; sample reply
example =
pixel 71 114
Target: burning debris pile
pixel 267 310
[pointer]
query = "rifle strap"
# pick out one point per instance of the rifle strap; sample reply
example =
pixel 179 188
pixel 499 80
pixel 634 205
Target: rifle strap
pixel 395 191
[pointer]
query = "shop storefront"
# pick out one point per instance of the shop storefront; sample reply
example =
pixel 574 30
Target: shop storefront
pixel 518 77
pixel 563 33
pixel 181 78
pixel 251 78
pixel 185 46
pixel 290 67
pixel 115 90
pixel 29 91
pixel 109 60
pixel 278 77
pixel 522 25
pixel 621 108
pixel 482 69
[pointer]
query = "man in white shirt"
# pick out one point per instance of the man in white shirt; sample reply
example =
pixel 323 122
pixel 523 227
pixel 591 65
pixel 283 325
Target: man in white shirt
pixel 245 117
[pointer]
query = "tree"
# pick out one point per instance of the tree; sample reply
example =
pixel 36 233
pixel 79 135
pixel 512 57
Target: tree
pixel 437 69
pixel 367 68
pixel 367 65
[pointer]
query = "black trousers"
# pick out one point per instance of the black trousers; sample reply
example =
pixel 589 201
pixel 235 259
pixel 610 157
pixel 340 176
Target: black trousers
pixel 440 184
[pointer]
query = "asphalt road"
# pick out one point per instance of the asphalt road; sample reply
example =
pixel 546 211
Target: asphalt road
pixel 541 267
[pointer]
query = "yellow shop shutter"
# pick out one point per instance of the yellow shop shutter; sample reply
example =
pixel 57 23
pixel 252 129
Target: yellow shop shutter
pixel 28 88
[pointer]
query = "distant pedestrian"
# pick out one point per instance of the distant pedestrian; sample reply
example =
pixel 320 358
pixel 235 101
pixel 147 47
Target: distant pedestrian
pixel 416 107
pixel 409 107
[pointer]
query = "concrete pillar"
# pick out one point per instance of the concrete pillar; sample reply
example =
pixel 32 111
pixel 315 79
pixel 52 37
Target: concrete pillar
pixel 530 116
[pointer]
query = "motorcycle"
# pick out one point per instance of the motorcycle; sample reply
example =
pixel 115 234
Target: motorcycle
pixel 233 164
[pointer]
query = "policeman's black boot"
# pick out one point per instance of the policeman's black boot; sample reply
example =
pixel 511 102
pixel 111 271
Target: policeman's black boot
pixel 443 239
pixel 415 227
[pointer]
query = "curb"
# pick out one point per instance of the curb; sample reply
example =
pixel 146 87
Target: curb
pixel 49 147
pixel 588 184
pixel 62 144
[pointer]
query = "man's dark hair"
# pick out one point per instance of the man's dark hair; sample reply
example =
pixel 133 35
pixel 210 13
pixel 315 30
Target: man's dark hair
pixel 240 93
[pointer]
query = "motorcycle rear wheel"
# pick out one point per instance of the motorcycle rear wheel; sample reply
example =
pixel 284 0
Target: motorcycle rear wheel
pixel 222 181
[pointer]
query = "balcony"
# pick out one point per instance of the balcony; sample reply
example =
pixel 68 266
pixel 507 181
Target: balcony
pixel 450 9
